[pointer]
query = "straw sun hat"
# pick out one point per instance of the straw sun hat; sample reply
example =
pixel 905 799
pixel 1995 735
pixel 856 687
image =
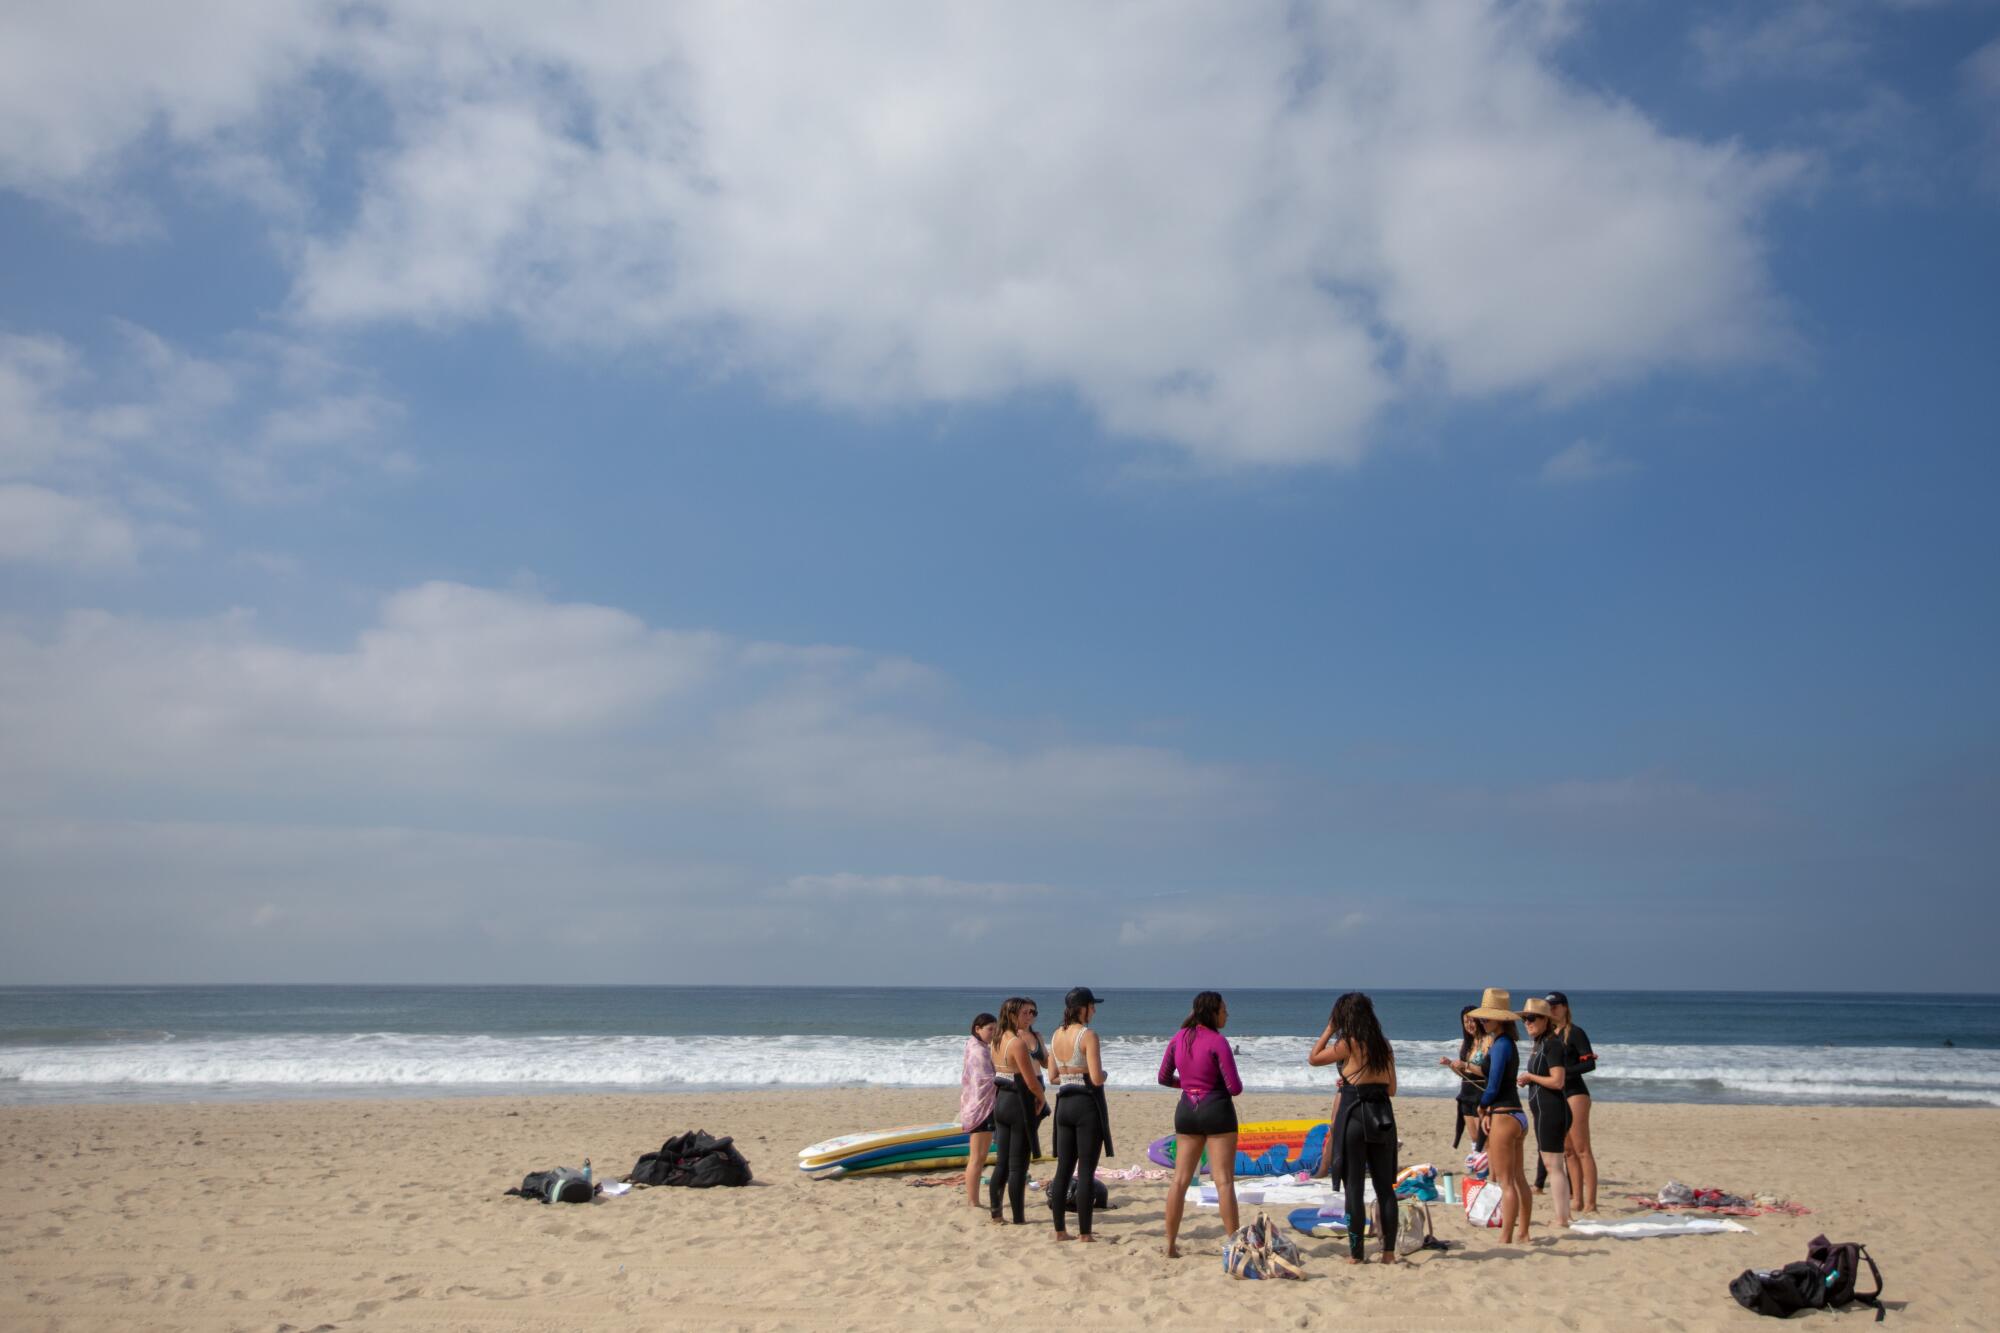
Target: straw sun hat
pixel 1536 1007
pixel 1497 1004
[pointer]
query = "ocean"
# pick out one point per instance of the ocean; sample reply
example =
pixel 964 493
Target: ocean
pixel 179 1043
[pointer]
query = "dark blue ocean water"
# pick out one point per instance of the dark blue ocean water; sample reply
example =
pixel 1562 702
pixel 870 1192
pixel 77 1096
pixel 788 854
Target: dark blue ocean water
pixel 97 1043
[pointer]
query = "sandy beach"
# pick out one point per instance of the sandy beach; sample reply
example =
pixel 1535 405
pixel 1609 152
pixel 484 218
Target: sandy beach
pixel 389 1214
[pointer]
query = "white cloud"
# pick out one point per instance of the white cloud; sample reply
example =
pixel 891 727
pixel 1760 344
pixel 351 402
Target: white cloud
pixel 101 444
pixel 1280 921
pixel 1243 230
pixel 906 887
pixel 179 899
pixel 83 82
pixel 41 526
pixel 1586 460
pixel 458 693
pixel 1793 39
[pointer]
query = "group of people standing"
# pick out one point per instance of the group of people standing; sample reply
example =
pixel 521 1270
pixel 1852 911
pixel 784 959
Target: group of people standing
pixel 1011 1077
pixel 1492 1073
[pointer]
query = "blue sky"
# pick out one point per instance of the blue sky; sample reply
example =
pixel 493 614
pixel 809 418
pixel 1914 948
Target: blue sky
pixel 1349 495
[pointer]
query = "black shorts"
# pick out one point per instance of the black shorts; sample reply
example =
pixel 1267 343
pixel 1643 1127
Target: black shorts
pixel 983 1127
pixel 1551 1124
pixel 1213 1114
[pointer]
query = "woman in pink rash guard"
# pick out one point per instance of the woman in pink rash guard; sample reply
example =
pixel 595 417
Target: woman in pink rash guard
pixel 1199 1062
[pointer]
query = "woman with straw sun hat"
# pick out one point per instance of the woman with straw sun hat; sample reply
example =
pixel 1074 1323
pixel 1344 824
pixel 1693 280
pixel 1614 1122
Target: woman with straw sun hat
pixel 1500 1113
pixel 1545 1074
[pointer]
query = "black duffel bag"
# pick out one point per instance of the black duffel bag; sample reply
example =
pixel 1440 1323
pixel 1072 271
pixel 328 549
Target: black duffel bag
pixel 694 1159
pixel 1780 1292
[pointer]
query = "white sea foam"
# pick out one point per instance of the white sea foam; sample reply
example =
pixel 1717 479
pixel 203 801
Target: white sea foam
pixel 322 1063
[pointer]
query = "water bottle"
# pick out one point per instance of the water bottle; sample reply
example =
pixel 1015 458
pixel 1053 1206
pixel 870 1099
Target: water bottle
pixel 586 1170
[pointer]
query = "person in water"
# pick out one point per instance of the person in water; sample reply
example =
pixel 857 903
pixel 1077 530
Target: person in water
pixel 1364 1125
pixel 1500 1114
pixel 1545 1074
pixel 1199 1062
pixel 1470 1066
pixel 1083 1130
pixel 1018 1102
pixel 1578 1059
pixel 975 1101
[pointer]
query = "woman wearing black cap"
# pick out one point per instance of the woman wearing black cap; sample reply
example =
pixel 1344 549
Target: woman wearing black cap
pixel 1579 1059
pixel 1083 1129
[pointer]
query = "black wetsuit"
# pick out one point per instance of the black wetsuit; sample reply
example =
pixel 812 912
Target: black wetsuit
pixel 1469 1090
pixel 1578 1060
pixel 1013 1141
pixel 1040 1056
pixel 1367 1137
pixel 1082 1133
pixel 1079 1142
pixel 1551 1108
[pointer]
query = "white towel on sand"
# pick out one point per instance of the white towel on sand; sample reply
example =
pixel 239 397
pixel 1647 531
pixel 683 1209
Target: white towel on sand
pixel 1685 1226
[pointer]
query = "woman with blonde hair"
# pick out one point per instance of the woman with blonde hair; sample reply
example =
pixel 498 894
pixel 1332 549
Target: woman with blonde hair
pixel 1578 1059
pixel 1017 1102
pixel 1500 1114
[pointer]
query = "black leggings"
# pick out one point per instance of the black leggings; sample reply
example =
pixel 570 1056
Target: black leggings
pixel 1551 1127
pixel 1365 1160
pixel 1012 1134
pixel 1079 1140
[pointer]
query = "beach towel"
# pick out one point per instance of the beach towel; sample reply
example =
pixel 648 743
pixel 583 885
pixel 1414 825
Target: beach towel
pixel 1289 1191
pixel 1676 1197
pixel 1680 1226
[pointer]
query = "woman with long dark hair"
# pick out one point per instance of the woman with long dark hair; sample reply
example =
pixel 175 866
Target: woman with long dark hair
pixel 1199 1062
pixel 1083 1126
pixel 1364 1127
pixel 1470 1066
pixel 1017 1103
pixel 1578 1059
pixel 1501 1116
pixel 975 1101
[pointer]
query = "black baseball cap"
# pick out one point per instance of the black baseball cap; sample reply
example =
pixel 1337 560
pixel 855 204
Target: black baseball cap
pixel 1081 996
pixel 1556 997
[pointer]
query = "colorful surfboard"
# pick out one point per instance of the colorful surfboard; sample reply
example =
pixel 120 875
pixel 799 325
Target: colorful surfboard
pixel 944 1145
pixel 847 1145
pixel 1263 1148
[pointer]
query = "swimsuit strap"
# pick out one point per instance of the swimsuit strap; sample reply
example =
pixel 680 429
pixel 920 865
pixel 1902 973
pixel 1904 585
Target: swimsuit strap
pixel 1075 1045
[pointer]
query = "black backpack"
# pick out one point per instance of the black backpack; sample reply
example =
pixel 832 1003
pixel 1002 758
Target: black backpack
pixel 563 1184
pixel 694 1159
pixel 1840 1266
pixel 1100 1197
pixel 1825 1277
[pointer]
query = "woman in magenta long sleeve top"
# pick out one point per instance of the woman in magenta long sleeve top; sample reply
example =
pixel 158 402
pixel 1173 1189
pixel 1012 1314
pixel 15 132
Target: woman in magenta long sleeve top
pixel 1199 1062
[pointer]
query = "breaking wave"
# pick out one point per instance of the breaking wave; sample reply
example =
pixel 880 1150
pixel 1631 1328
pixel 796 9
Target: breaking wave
pixel 157 1064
